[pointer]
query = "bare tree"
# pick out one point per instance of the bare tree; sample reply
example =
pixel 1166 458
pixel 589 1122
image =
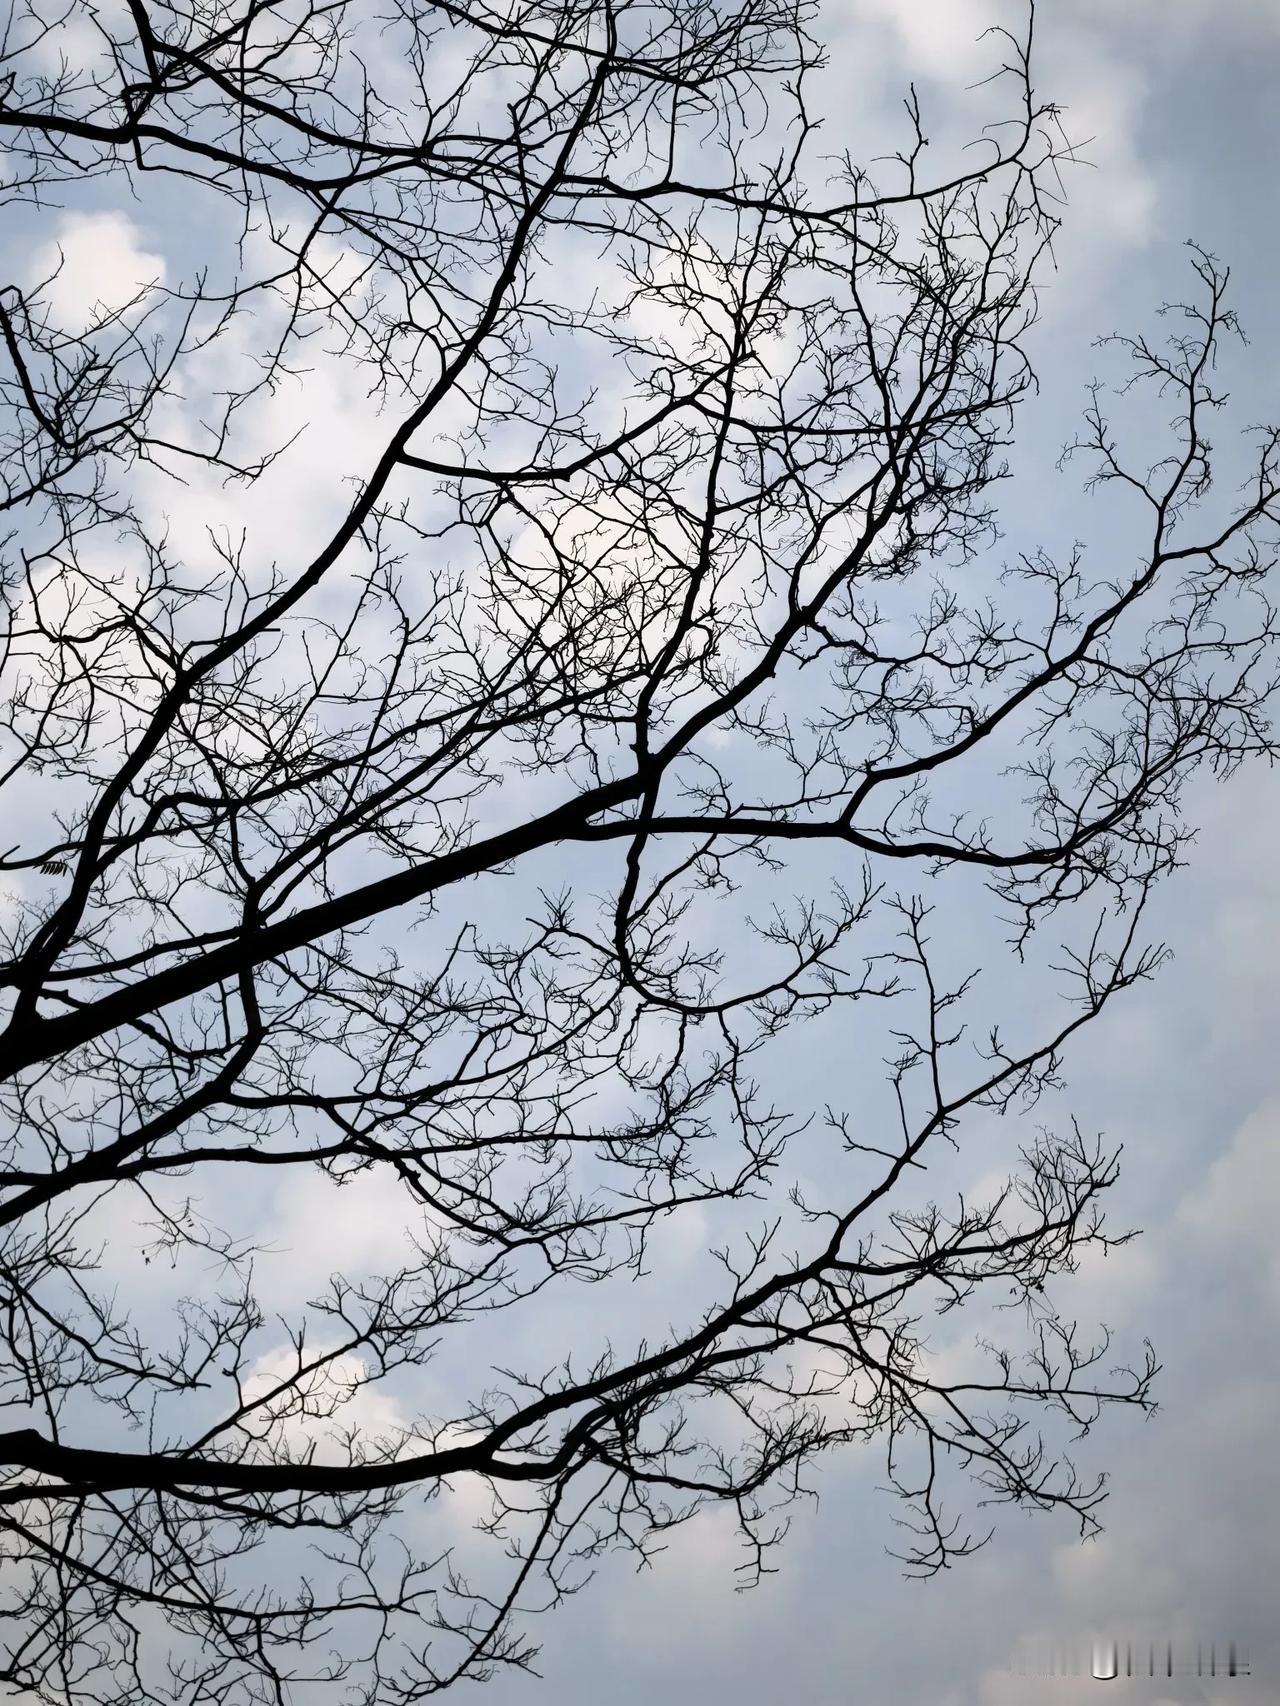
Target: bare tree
pixel 657 682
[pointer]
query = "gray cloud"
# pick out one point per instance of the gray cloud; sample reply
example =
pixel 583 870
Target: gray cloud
pixel 1184 1073
pixel 1177 102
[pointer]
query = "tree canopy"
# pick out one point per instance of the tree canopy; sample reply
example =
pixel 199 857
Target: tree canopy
pixel 498 816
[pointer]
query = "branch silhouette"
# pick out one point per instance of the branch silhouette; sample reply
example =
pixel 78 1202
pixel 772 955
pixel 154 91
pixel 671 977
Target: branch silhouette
pixel 648 691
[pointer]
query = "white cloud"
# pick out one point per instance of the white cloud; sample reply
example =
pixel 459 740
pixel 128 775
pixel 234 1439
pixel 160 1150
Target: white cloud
pixel 1237 1203
pixel 937 37
pixel 1111 1283
pixel 688 1591
pixel 100 263
pixel 335 1399
pixel 1080 61
pixel 317 1227
pixel 1132 1571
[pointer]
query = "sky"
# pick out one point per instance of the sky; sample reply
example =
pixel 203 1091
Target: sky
pixel 1177 98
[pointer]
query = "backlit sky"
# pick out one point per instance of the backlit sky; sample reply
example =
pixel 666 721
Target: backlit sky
pixel 1178 97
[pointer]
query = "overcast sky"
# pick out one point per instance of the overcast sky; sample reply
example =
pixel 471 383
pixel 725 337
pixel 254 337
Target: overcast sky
pixel 1178 99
